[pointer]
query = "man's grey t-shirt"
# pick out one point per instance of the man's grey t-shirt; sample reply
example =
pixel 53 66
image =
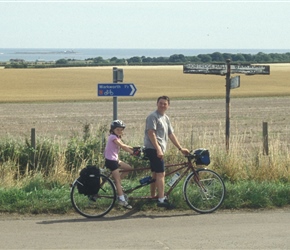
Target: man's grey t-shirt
pixel 162 126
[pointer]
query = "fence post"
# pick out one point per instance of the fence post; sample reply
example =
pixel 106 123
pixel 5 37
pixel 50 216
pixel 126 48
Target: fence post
pixel 228 90
pixel 265 139
pixel 32 159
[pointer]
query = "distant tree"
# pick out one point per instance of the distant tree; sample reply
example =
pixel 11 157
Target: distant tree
pixel 205 58
pixel 134 59
pixel 61 61
pixel 177 58
pixel 262 57
pixel 280 57
pixel 286 57
pixel 192 59
pixel 227 56
pixel 99 59
pixel 120 61
pixel 217 57
pixel 238 58
pixel 248 57
pixel 113 59
pixel 146 59
pixel 160 59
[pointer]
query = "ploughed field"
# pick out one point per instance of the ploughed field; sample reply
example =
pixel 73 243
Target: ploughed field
pixel 193 120
pixel 59 102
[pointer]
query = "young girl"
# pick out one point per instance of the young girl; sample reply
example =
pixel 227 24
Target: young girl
pixel 112 160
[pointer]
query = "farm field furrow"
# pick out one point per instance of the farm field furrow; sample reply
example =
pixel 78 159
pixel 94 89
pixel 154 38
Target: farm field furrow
pixel 193 120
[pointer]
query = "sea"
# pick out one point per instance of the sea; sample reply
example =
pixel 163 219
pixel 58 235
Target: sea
pixel 53 54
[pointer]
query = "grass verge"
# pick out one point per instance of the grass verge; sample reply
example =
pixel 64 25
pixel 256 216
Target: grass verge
pixel 39 196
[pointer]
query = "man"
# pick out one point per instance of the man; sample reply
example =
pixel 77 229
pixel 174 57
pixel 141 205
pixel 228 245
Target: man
pixel 157 131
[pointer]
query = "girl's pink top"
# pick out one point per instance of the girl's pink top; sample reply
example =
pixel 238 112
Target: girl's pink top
pixel 112 149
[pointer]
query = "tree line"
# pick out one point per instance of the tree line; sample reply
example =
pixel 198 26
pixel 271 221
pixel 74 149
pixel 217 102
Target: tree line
pixel 215 57
pixel 176 59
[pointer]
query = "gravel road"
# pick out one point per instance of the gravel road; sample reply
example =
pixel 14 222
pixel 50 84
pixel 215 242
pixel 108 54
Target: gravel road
pixel 262 229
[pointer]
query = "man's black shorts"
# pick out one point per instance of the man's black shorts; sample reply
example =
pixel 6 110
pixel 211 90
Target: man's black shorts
pixel 156 164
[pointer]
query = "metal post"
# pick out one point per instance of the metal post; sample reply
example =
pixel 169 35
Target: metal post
pixel 115 108
pixel 228 89
pixel 115 98
pixel 33 145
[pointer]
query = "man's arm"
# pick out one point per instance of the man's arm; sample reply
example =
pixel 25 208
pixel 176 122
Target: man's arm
pixel 176 143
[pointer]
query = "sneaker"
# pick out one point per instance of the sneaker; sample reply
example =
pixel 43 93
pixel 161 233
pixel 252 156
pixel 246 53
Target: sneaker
pixel 165 204
pixel 124 204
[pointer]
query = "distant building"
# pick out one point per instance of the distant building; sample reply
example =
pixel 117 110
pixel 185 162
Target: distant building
pixel 17 60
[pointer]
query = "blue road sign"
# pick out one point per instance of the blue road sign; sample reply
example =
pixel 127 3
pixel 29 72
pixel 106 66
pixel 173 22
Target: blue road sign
pixel 116 89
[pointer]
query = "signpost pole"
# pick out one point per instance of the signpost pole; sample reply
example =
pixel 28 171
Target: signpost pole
pixel 222 69
pixel 115 98
pixel 228 89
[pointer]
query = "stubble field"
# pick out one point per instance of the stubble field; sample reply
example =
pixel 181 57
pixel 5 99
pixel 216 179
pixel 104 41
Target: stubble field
pixel 59 102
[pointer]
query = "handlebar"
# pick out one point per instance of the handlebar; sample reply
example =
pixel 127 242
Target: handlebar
pixel 191 156
pixel 200 155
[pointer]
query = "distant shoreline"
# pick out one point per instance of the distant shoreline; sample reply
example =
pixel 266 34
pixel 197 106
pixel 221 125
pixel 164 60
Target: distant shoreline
pixel 45 52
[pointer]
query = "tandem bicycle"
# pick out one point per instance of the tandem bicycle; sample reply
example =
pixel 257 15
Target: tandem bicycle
pixel 203 189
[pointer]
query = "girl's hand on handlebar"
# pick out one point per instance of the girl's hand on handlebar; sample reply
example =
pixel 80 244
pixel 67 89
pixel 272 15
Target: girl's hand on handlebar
pixel 136 151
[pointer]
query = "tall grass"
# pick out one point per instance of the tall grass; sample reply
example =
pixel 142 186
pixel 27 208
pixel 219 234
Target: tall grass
pixel 53 159
pixel 41 184
pixel 60 160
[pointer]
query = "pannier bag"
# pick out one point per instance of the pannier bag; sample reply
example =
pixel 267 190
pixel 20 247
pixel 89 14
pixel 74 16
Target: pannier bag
pixel 202 156
pixel 89 181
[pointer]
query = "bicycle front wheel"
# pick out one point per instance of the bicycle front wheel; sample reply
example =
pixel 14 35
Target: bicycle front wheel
pixel 100 205
pixel 204 192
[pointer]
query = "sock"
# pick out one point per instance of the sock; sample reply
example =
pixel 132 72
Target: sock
pixel 122 198
pixel 161 199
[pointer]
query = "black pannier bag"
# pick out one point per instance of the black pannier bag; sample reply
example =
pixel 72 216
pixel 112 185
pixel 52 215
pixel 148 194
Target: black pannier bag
pixel 202 156
pixel 89 181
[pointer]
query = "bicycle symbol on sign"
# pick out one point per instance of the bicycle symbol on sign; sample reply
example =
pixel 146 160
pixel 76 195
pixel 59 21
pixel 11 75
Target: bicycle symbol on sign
pixel 108 92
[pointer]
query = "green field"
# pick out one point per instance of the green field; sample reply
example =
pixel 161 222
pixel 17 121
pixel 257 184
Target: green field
pixel 79 84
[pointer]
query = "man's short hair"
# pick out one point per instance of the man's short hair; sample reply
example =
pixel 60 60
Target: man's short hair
pixel 165 97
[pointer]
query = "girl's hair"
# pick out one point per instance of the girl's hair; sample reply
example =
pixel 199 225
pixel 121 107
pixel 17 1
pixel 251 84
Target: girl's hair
pixel 112 132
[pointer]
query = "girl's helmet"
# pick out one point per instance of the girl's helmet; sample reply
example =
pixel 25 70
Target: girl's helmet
pixel 117 124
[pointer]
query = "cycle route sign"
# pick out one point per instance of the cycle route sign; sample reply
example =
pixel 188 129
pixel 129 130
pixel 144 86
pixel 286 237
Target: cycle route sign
pixel 116 89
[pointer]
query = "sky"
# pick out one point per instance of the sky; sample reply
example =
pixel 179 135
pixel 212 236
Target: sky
pixel 145 24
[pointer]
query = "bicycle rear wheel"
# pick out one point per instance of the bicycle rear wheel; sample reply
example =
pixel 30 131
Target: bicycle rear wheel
pixel 205 192
pixel 104 200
